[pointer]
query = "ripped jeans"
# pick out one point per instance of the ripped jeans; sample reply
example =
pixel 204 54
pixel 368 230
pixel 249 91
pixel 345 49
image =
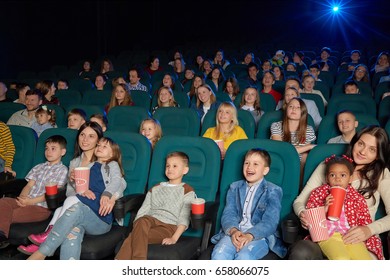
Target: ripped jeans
pixel 225 250
pixel 68 232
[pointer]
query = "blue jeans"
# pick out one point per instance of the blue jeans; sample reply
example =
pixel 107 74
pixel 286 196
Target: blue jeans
pixel 68 232
pixel 225 250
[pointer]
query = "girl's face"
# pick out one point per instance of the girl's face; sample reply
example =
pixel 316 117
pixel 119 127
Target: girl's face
pixel 148 130
pixel 288 95
pixel 43 118
pixel 165 96
pixel 120 94
pixel 207 65
pixel 99 82
pixel 199 59
pixel 277 72
pixel 197 82
pixel 290 68
pixel 155 63
pixel 167 81
pixel 106 66
pixel 87 66
pixel 308 84
pixel 204 94
pixel 88 139
pixel 215 74
pixel 294 110
pixel 360 73
pixel 225 115
pixel 103 151
pixel 338 175
pixel 248 58
pixel 229 87
pixel 383 60
pixel 250 96
pixel 178 64
pixel 365 150
pixel 219 56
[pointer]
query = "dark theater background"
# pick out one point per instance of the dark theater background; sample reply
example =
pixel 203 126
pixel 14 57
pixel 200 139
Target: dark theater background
pixel 35 35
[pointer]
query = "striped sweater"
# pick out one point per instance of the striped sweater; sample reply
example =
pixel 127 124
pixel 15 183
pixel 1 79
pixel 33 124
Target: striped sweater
pixel 7 147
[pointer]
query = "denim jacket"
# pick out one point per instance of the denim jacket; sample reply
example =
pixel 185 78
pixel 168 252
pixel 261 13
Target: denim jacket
pixel 265 214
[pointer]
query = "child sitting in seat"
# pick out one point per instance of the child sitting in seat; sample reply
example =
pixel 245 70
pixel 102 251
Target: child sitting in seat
pixel 347 124
pixel 251 215
pixel 46 118
pixel 164 214
pixel 151 129
pixel 76 118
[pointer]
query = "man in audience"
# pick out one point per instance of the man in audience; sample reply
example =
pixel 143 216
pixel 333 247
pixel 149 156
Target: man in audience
pixel 26 117
pixel 134 78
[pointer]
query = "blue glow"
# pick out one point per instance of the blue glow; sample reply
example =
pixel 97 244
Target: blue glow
pixel 335 9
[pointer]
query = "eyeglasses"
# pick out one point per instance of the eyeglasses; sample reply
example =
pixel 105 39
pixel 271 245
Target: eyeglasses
pixel 361 71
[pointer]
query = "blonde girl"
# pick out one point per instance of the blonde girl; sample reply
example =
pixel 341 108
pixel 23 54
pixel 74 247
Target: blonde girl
pixel 151 129
pixel 165 98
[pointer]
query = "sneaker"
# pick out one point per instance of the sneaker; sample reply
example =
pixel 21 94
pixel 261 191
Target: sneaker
pixel 39 238
pixel 28 250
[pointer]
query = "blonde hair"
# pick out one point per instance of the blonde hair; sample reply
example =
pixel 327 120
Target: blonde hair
pixel 158 128
pixel 172 102
pixel 232 126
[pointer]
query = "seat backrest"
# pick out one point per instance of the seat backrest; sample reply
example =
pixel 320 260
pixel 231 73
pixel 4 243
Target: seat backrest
pixel 357 103
pixel 267 102
pixel 81 85
pixel 318 154
pixel 68 97
pixel 8 108
pixel 136 156
pixel 328 127
pixel 383 111
pixel 324 88
pixel 178 121
pixel 204 165
pixel 61 120
pixel 96 97
pixel 387 128
pixel 284 170
pixel 25 140
pixel 141 99
pixel 245 121
pixel 317 99
pixel 70 136
pixel 380 89
pixel 126 118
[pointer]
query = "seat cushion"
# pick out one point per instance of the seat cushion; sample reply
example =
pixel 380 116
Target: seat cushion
pixel 185 249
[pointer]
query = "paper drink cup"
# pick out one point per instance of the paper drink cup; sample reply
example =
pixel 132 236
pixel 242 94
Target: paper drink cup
pixel 334 210
pixel 197 206
pixel 81 175
pixel 317 223
pixel 51 188
pixel 219 143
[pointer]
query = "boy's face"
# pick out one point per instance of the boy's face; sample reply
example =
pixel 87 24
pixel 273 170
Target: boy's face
pixel 338 175
pixel 254 168
pixel 175 169
pixel 346 123
pixel 75 121
pixel 54 152
pixel 351 89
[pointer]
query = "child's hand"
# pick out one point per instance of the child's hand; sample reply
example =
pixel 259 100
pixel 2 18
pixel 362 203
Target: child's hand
pixel 328 201
pixel 22 201
pixel 106 205
pixel 236 239
pixel 88 194
pixel 9 170
pixel 245 239
pixel 168 241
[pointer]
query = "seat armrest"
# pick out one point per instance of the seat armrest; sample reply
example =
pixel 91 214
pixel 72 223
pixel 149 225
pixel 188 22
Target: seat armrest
pixel 128 203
